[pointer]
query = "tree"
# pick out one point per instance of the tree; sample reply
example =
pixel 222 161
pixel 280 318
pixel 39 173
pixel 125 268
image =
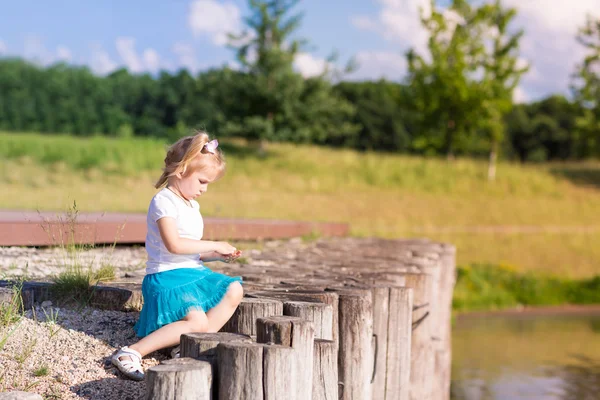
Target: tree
pixel 283 105
pixel 464 87
pixel 267 53
pixel 587 90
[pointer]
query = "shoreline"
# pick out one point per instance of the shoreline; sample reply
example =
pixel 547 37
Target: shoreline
pixel 534 311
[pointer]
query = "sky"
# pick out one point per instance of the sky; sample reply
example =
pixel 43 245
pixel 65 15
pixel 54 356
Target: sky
pixel 150 35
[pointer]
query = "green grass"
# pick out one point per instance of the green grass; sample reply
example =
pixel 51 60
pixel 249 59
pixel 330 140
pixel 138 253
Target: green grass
pixel 489 287
pixel 41 371
pixel 555 206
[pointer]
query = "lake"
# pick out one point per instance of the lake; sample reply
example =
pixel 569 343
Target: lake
pixel 526 357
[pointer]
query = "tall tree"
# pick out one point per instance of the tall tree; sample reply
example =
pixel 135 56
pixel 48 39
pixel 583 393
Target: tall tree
pixel 267 51
pixel 502 74
pixel 463 87
pixel 587 89
pixel 283 105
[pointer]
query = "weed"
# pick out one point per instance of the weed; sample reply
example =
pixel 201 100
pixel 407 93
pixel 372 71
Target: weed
pixel 51 322
pixel 43 370
pixel 26 351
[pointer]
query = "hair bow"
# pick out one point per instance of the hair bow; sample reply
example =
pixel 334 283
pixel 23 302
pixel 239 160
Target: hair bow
pixel 211 146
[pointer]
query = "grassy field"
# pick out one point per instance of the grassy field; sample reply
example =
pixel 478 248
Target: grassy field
pixel 542 218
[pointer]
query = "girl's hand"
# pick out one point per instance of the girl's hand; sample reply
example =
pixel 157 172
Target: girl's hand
pixel 214 256
pixel 231 257
pixel 225 248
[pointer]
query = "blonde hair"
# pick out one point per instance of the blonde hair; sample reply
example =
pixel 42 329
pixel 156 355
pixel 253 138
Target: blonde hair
pixel 187 155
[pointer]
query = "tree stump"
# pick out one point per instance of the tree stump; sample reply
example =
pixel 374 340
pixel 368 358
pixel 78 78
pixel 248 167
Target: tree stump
pixel 398 360
pixel 242 365
pixel 325 371
pixel 355 355
pixel 321 315
pixel 203 346
pixel 182 379
pixel 278 375
pixel 329 298
pixel 422 350
pixel 244 318
pixel 296 333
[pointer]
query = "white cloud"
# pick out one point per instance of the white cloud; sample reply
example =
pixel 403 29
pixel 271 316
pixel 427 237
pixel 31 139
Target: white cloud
pixel 308 65
pixel 398 21
pixel 35 50
pixel 151 60
pixel 126 49
pixel 214 19
pixel 187 56
pixel 519 95
pixel 548 44
pixel 379 64
pixel 64 54
pixel 101 62
pixel 3 48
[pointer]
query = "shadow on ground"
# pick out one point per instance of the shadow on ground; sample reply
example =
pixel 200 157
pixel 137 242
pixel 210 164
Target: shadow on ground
pixel 583 176
pixel 111 389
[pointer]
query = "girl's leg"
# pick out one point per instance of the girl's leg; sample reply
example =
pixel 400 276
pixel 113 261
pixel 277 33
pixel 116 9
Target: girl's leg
pixel 220 314
pixel 169 335
pixel 195 321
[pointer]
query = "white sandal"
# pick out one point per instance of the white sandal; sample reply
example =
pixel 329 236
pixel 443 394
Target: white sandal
pixel 131 368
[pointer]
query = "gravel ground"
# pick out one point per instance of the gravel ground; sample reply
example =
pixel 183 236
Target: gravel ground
pixel 71 354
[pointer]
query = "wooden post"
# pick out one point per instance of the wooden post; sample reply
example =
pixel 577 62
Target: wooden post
pixel 298 334
pixel 244 318
pixel 398 359
pixel 197 345
pixel 321 315
pixel 422 350
pixel 355 356
pixel 182 379
pixel 325 371
pixel 329 298
pixel 443 356
pixel 242 365
pixel 278 375
pixel 203 346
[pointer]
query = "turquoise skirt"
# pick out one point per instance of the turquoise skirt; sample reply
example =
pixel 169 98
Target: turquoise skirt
pixel 170 295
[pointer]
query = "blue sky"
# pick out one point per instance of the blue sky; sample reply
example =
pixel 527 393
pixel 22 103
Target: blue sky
pixel 150 35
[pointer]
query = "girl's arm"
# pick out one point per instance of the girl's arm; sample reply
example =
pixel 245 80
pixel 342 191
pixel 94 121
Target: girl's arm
pixel 211 256
pixel 178 245
pixel 214 256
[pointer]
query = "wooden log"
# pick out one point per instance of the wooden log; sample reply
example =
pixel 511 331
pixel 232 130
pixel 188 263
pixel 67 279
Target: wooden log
pixel 296 333
pixel 443 360
pixel 278 375
pixel 182 379
pixel 249 310
pixel 398 359
pixel 321 315
pixel 242 365
pixel 381 303
pixel 355 355
pixel 422 349
pixel 203 346
pixel 330 298
pixel 325 371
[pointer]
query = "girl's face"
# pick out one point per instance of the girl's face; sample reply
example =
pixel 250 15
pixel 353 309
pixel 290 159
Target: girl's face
pixel 193 185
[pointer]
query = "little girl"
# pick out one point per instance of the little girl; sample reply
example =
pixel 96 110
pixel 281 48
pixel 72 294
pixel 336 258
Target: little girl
pixel 181 295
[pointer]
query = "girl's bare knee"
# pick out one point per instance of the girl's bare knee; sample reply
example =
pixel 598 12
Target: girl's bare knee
pixel 197 321
pixel 235 293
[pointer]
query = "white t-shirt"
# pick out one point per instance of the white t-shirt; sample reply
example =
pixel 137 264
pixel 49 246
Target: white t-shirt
pixel 189 225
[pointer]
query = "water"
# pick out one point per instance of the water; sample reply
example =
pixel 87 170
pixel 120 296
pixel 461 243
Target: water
pixel 532 358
